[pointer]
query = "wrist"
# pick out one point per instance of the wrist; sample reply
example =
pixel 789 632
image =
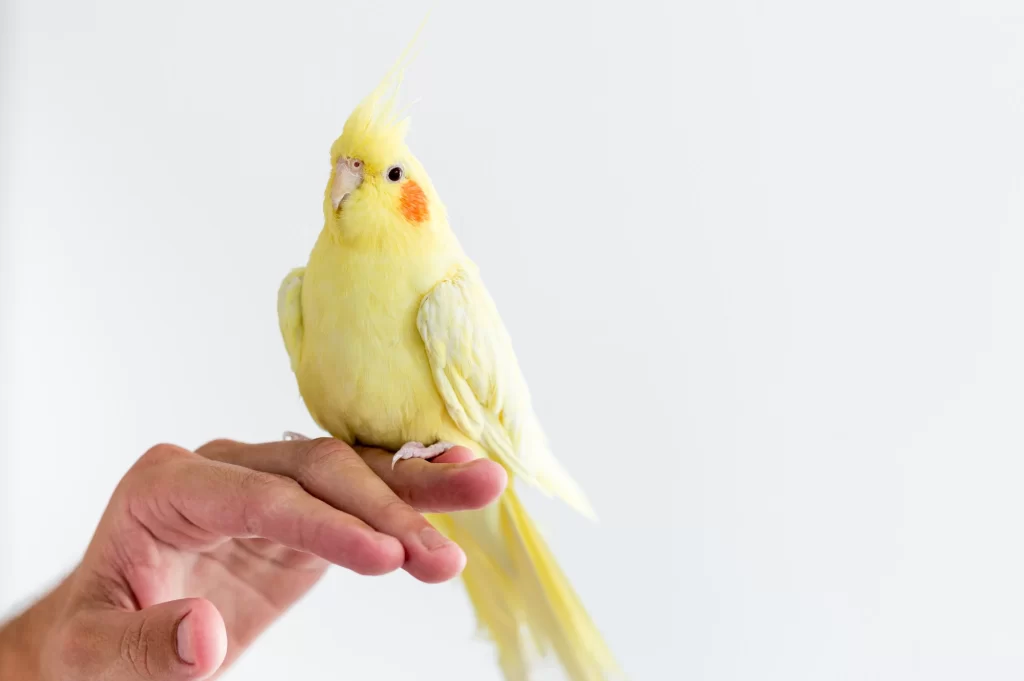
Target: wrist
pixel 22 639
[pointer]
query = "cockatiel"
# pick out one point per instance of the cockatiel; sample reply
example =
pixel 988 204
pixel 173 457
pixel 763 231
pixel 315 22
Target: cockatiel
pixel 396 343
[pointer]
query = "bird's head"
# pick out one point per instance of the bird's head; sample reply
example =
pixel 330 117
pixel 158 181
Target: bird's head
pixel 377 188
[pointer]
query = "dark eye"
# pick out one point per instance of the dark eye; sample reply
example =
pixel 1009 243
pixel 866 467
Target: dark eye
pixel 395 173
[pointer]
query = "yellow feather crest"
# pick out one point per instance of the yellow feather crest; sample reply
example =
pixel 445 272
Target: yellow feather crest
pixel 374 131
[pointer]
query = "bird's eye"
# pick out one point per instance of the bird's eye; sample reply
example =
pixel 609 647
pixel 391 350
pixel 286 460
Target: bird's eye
pixel 357 164
pixel 395 173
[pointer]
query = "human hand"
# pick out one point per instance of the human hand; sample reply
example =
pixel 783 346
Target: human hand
pixel 197 553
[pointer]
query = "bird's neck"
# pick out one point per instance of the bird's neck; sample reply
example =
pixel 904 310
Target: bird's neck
pixel 383 262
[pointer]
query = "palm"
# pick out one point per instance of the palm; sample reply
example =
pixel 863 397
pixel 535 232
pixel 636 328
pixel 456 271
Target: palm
pixel 251 581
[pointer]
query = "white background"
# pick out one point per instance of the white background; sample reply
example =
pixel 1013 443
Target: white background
pixel 763 264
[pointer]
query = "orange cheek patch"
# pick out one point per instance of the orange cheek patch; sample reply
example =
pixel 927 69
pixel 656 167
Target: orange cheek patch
pixel 414 202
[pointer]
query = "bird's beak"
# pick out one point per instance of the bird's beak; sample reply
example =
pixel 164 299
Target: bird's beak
pixel 348 175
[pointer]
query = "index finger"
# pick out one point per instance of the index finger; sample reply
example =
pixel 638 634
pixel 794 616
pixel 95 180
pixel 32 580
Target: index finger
pixel 454 481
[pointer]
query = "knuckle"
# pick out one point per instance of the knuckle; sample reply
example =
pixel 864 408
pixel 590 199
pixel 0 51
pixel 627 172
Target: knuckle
pixel 260 484
pixel 322 457
pixel 135 648
pixel 154 459
pixel 149 467
pixel 394 509
pixel 264 494
pixel 415 496
pixel 161 453
pixel 212 447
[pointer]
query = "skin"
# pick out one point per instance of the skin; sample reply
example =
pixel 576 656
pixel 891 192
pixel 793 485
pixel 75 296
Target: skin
pixel 198 552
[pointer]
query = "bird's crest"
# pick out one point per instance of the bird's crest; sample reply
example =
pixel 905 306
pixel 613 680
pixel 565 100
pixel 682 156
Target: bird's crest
pixel 375 130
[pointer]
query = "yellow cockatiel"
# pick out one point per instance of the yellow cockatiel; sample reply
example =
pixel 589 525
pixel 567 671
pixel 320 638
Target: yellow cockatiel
pixel 396 343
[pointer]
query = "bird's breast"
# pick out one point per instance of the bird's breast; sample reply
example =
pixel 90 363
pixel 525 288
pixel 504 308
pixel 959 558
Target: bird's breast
pixel 363 372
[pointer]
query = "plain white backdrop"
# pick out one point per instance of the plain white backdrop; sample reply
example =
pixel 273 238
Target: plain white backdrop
pixel 763 264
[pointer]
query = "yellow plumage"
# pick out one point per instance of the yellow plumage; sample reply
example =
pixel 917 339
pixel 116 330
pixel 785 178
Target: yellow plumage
pixel 393 338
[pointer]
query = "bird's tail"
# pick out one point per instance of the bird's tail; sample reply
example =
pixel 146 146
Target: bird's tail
pixel 523 601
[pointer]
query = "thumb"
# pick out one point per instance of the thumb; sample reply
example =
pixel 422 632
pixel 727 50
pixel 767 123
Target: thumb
pixel 182 640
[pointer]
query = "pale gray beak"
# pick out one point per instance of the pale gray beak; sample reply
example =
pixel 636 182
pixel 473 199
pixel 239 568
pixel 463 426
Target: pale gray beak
pixel 348 175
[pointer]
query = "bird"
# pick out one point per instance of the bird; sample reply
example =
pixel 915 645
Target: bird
pixel 396 343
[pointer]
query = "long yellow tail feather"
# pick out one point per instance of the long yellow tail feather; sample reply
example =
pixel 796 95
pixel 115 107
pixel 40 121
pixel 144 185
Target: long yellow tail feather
pixel 522 599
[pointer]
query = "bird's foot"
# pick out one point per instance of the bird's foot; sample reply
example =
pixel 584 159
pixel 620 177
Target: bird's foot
pixel 292 435
pixel 416 450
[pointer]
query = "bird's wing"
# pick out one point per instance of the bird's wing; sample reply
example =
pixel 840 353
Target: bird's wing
pixel 478 377
pixel 289 314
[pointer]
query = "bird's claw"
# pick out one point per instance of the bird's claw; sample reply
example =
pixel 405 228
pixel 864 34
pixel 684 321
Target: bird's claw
pixel 416 450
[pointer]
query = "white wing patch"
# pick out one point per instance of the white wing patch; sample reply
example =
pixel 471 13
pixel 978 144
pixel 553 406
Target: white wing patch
pixel 289 314
pixel 477 374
